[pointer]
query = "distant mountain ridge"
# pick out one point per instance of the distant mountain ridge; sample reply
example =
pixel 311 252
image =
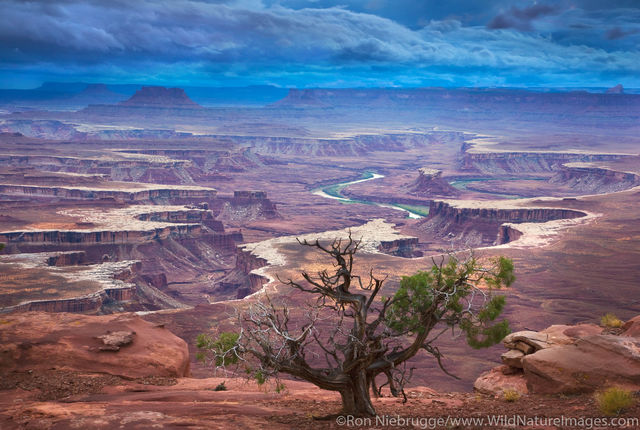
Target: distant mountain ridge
pixel 77 94
pixel 160 97
pixel 459 98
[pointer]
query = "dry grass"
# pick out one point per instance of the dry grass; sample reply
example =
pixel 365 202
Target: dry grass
pixel 511 396
pixel 611 321
pixel 614 400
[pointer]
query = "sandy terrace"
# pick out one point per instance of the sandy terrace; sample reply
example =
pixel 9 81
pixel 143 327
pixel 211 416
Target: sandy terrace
pixel 114 219
pixel 54 283
pixel 120 186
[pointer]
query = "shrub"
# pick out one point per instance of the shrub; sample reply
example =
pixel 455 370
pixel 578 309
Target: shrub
pixel 222 349
pixel 220 387
pixel 280 388
pixel 614 400
pixel 611 321
pixel 511 395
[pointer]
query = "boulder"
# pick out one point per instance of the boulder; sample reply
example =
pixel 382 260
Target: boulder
pixel 113 341
pixel 589 364
pixel 513 358
pixel 537 340
pixel 75 342
pixel 525 348
pixel 495 382
pixel 632 327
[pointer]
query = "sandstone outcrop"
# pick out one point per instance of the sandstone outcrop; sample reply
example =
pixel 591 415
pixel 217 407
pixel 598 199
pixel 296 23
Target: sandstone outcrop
pixel 72 258
pixel 246 206
pixel 566 359
pixel 430 183
pixel 35 340
pixel 478 224
pixel 405 247
pixel 241 281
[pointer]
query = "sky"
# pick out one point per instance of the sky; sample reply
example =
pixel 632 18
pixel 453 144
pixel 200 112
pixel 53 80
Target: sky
pixel 322 43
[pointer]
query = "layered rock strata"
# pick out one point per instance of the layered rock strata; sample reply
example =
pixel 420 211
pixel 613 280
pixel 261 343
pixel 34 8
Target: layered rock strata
pixel 587 178
pixel 430 183
pixel 485 223
pixel 518 162
pixel 246 206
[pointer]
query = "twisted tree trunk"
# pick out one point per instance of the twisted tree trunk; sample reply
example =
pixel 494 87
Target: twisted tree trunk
pixel 356 397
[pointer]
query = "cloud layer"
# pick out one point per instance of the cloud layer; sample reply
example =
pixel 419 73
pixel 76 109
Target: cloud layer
pixel 360 44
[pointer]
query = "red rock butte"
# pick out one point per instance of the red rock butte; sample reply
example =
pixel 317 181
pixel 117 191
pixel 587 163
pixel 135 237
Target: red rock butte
pixel 160 97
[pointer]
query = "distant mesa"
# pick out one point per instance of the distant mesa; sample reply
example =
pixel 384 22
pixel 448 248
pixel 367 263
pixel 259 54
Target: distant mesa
pixel 97 93
pixel 161 97
pixel 618 89
pixel 304 98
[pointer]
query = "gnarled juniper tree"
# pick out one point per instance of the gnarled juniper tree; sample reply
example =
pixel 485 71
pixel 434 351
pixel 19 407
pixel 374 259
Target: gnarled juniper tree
pixel 349 333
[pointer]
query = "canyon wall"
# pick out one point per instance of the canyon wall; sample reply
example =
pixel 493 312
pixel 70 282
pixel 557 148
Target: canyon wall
pixel 521 162
pixel 482 226
pixel 404 247
pixel 171 195
pixel 86 304
pixel 116 166
pixel 240 282
pixel 245 206
pixel 585 178
pixel 89 237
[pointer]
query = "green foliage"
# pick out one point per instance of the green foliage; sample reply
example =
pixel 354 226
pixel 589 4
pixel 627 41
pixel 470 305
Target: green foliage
pixel 222 348
pixel 1 246
pixel 413 296
pixel 220 387
pixel 614 400
pixel 611 321
pixel 260 376
pixel 280 387
pixel 443 294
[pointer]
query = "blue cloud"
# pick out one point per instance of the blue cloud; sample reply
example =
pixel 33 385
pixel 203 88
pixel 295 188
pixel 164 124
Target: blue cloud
pixel 283 42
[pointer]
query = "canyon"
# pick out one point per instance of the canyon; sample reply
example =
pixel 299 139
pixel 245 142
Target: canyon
pixel 155 203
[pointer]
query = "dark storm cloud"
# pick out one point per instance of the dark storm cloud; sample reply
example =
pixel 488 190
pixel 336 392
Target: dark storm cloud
pixel 521 18
pixel 618 33
pixel 358 42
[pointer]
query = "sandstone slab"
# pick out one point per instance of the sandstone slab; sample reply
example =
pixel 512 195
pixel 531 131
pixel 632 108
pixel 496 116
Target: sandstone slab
pixel 513 358
pixel 566 334
pixel 535 339
pixel 39 340
pixel 589 364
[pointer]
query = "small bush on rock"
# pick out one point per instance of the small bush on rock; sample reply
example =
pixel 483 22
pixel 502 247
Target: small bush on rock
pixel 611 321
